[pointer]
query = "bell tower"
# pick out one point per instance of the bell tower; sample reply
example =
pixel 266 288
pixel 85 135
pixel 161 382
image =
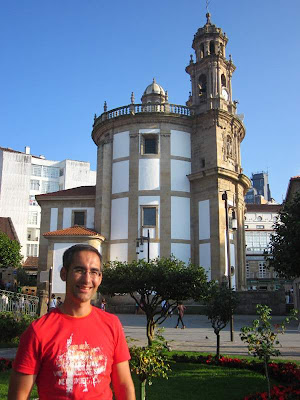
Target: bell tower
pixel 216 160
pixel 211 72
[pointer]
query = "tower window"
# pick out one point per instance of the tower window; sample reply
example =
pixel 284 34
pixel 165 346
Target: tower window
pixel 201 50
pixel 212 47
pixel 223 80
pixel 79 218
pixel 202 84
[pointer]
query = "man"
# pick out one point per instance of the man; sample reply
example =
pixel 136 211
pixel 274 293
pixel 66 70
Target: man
pixel 76 350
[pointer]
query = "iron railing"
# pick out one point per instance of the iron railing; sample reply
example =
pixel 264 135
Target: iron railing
pixel 18 302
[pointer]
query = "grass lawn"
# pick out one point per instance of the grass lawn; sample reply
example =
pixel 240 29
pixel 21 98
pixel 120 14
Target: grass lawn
pixel 190 381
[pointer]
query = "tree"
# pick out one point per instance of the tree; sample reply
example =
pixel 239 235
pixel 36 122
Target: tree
pixel 220 304
pixel 284 246
pixel 10 255
pixel 149 362
pixel 151 283
pixel 262 338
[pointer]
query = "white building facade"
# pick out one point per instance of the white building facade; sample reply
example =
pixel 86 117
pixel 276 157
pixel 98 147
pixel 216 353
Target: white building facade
pixel 259 226
pixel 22 177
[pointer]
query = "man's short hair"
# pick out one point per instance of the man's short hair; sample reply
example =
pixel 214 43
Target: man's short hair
pixel 77 248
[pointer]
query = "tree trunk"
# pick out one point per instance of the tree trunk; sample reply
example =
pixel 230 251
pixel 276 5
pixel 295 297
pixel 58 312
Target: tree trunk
pixel 267 376
pixel 218 346
pixel 150 330
pixel 143 390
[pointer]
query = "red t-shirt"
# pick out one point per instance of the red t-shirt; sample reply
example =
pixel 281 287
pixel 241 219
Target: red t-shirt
pixel 72 357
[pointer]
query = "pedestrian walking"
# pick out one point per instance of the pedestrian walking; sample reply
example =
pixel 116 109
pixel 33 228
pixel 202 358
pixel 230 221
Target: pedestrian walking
pixel 180 309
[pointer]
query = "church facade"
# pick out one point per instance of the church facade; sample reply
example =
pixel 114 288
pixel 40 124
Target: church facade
pixel 162 173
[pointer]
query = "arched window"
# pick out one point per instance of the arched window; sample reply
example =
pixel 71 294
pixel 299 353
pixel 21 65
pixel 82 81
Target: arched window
pixel 202 84
pixel 223 80
pixel 212 47
pixel 201 50
pixel 221 49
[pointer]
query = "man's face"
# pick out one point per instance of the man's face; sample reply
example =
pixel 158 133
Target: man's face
pixel 83 276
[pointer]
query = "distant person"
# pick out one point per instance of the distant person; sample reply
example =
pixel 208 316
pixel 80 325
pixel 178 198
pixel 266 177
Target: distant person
pixel 76 351
pixel 103 305
pixel 180 310
pixel 53 302
pixel 58 301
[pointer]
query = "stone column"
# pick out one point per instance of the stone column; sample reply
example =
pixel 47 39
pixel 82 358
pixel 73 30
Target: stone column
pixel 165 195
pixel 133 195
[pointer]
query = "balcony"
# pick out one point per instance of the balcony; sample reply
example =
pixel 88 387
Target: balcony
pixel 133 109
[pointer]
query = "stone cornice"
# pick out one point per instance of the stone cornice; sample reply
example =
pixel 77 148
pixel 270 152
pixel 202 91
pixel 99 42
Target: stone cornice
pixel 221 172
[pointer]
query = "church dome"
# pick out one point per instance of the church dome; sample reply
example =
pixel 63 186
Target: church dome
pixel 154 88
pixel 154 93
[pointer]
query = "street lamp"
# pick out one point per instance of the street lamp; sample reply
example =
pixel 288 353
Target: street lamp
pixel 230 268
pixel 140 244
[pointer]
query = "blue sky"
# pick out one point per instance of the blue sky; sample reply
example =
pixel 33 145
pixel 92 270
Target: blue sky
pixel 61 59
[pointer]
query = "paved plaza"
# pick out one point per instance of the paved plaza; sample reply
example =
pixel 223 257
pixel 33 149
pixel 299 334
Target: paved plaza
pixel 199 335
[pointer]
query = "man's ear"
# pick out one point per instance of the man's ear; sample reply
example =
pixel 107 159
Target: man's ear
pixel 63 274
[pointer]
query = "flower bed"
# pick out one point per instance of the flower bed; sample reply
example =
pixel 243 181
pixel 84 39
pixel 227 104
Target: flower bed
pixel 284 373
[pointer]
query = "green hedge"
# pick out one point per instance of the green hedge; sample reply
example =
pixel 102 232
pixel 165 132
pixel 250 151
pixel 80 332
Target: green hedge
pixel 12 325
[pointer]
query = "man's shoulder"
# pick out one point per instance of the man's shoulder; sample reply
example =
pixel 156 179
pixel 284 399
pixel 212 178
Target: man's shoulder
pixel 106 316
pixel 46 319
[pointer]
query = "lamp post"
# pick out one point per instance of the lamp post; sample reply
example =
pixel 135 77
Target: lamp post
pixel 230 268
pixel 140 244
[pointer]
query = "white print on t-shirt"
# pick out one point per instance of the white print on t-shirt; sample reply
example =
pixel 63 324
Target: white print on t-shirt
pixel 80 365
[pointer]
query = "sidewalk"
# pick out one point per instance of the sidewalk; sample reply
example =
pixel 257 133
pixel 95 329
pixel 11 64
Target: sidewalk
pixel 199 335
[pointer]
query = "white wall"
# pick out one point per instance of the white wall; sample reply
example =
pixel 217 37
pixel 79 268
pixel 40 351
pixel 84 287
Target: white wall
pixel 204 220
pixel 180 218
pixel 149 174
pixel 180 144
pixel 182 251
pixel 58 286
pixel 179 171
pixel 67 216
pixel 121 145
pixel 53 219
pixel 77 173
pixel 119 219
pixel 119 252
pixel 205 258
pixel 154 251
pixel 120 177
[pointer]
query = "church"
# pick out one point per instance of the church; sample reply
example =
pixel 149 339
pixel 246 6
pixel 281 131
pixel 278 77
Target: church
pixel 169 177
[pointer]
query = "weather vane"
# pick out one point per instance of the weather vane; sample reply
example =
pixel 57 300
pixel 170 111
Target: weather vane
pixel 207 4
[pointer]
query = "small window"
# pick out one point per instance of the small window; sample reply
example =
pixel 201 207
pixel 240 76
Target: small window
pixel 149 144
pixel 259 218
pixel 149 216
pixel 246 226
pixel 32 218
pixel 34 184
pixel 79 218
pixel 260 226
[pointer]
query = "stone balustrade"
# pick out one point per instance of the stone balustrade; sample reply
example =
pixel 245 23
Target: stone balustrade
pixel 133 109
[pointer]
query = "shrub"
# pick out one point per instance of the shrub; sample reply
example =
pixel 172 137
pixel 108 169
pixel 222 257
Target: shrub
pixel 12 326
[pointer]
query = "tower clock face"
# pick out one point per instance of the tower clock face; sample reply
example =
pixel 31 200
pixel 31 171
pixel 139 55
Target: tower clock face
pixel 225 94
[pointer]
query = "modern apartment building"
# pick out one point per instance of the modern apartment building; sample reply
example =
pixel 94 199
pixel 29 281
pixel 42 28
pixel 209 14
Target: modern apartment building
pixel 22 177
